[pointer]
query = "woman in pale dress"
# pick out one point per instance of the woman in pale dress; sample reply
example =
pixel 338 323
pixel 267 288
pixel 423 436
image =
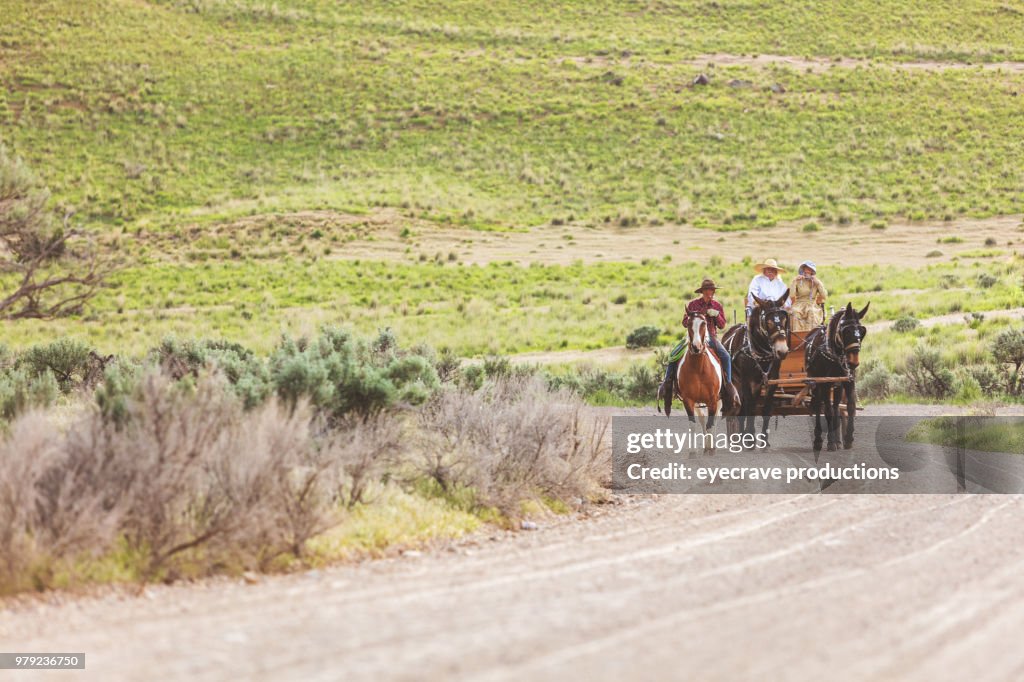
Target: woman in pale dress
pixel 808 295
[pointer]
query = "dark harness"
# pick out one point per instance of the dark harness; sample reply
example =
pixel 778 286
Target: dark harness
pixel 763 355
pixel 833 348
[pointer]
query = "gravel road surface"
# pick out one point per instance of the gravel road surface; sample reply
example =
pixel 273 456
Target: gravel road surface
pixel 705 587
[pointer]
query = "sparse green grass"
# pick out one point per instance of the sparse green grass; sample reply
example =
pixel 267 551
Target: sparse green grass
pixel 984 434
pixel 497 308
pixel 508 114
pixel 396 520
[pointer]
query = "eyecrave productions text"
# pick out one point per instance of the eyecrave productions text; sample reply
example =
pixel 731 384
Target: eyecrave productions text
pixel 677 471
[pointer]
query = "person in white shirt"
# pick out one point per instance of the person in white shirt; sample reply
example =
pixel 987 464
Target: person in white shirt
pixel 766 284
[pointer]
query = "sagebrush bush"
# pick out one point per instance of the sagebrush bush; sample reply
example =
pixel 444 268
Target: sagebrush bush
pixel 643 337
pixel 1008 350
pixel 990 380
pixel 512 440
pixel 447 365
pixel 986 281
pixel 245 372
pixel 874 380
pixel 642 382
pixel 966 388
pixel 339 373
pixel 66 359
pixel 927 376
pixel 172 471
pixel 20 391
pixel 906 323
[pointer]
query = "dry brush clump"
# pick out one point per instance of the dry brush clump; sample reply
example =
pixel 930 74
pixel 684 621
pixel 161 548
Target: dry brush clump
pixel 180 479
pixel 170 472
pixel 513 440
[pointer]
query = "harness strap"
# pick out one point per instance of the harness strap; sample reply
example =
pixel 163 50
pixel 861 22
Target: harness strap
pixel 826 351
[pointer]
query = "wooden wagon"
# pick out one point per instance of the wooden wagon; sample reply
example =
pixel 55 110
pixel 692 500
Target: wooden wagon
pixel 793 392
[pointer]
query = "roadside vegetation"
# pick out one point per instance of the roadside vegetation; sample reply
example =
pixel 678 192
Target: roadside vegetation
pixel 204 458
pixel 987 434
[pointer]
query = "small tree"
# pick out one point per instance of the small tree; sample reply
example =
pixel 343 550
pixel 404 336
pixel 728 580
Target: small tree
pixel 1009 350
pixel 56 269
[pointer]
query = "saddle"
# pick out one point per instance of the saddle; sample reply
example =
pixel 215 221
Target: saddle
pixel 677 353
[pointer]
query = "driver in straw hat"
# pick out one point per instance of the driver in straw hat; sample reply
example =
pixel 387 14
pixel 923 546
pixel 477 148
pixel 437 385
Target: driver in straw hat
pixel 713 312
pixel 766 284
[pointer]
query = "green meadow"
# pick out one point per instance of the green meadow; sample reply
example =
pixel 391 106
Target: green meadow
pixel 147 118
pixel 512 114
pixel 500 308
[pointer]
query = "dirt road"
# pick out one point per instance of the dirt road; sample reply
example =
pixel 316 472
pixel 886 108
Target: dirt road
pixel 686 587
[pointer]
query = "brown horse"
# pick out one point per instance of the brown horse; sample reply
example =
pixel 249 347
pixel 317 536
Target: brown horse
pixel 699 377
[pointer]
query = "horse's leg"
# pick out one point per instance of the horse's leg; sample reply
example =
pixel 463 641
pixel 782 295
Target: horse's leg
pixel 712 410
pixel 769 403
pixel 837 424
pixel 851 414
pixel 816 411
pixel 688 405
pixel 746 409
pixel 830 416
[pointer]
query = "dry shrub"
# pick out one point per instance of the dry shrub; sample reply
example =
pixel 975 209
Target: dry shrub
pixel 365 448
pixel 206 485
pixel 182 478
pixel 48 509
pixel 155 462
pixel 282 486
pixel 513 440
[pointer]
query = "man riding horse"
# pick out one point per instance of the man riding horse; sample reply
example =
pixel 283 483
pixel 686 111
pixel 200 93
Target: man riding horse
pixel 712 310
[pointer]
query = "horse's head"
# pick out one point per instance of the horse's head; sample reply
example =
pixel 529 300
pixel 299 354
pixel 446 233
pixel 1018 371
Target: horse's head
pixel 770 322
pixel 848 333
pixel 697 331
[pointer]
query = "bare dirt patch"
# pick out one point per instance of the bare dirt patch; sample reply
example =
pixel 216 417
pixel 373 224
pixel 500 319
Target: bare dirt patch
pixel 807 64
pixel 390 235
pixel 820 64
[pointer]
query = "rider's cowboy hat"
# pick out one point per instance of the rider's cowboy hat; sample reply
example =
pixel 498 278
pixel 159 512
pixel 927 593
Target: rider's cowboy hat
pixel 706 284
pixel 768 263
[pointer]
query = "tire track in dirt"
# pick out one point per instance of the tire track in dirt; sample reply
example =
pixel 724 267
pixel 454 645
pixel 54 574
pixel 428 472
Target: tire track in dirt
pixel 670 621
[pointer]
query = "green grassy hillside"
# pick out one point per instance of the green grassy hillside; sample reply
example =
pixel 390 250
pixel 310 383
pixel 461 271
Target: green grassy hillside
pixel 514 113
pixel 155 119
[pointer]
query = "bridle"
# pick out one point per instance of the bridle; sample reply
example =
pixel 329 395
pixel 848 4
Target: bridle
pixel 833 346
pixel 764 356
pixel 780 317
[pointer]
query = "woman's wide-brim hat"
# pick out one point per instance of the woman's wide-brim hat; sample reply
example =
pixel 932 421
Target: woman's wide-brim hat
pixel 706 284
pixel 768 263
pixel 809 264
